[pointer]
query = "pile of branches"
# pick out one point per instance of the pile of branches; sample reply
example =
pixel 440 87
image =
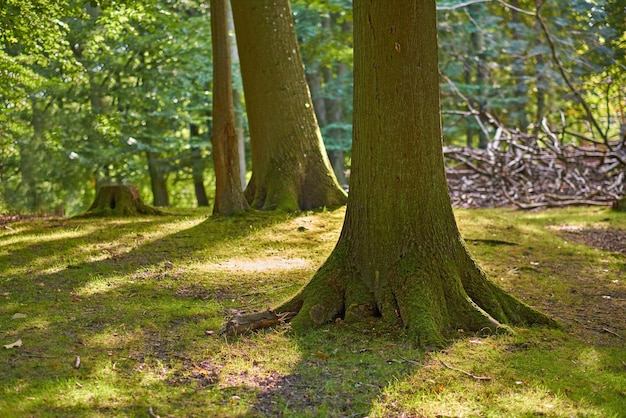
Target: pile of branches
pixel 533 171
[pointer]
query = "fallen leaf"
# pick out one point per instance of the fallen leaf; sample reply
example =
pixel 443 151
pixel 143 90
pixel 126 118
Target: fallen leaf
pixel 19 315
pixel 321 355
pixel 18 343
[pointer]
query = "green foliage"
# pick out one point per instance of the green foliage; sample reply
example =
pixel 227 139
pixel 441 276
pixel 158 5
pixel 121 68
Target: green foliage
pixel 113 80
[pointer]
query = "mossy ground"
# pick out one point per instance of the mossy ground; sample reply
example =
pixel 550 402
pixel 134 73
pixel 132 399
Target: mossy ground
pixel 140 302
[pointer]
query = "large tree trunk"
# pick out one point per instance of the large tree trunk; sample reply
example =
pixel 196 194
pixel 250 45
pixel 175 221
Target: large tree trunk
pixel 229 197
pixel 400 255
pixel 290 169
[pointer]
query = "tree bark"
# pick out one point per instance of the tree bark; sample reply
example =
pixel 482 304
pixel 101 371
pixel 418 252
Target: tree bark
pixel 290 169
pixel 229 197
pixel 237 103
pixel 400 255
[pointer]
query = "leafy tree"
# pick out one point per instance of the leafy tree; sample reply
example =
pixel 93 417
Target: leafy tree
pixel 290 169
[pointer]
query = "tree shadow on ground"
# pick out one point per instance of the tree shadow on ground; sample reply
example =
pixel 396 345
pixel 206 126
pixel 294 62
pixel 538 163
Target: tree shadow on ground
pixel 141 335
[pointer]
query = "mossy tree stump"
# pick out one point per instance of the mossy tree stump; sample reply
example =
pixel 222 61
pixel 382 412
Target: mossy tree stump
pixel 119 201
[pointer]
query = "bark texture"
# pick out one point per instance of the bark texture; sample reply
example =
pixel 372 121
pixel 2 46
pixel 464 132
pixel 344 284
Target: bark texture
pixel 229 197
pixel 400 255
pixel 290 169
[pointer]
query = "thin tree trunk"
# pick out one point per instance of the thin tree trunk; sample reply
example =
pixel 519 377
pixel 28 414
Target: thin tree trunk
pixel 197 167
pixel 519 74
pixel 237 104
pixel 158 180
pixel 229 197
pixel 28 157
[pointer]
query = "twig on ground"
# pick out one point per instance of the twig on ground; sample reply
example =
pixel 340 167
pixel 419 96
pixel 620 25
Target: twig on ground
pixel 151 413
pixel 473 376
pixel 613 333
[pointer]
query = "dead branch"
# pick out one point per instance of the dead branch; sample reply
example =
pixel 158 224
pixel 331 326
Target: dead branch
pixel 243 323
pixel 473 376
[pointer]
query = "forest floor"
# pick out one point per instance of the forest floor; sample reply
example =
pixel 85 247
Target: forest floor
pixel 121 317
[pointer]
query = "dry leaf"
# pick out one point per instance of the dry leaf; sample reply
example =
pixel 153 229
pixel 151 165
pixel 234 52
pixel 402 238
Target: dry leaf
pixel 19 315
pixel 18 343
pixel 321 355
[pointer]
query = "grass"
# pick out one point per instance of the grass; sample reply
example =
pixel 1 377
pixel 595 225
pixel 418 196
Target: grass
pixel 139 303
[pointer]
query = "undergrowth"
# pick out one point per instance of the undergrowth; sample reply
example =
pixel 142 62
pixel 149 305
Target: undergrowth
pixel 121 317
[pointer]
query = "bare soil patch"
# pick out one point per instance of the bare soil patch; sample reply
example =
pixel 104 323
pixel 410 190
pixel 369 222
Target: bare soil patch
pixel 604 239
pixel 596 309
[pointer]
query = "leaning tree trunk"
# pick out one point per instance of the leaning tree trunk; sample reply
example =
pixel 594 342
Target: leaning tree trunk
pixel 229 197
pixel 290 169
pixel 119 201
pixel 400 255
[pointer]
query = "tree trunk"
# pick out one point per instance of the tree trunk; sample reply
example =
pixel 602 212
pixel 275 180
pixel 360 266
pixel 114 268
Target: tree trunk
pixel 400 255
pixel 519 73
pixel 158 180
pixel 197 167
pixel 237 104
pixel 476 11
pixel 290 169
pixel 229 197
pixel 119 201
pixel 28 150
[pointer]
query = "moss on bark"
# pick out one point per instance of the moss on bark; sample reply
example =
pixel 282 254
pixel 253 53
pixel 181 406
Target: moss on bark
pixel 428 299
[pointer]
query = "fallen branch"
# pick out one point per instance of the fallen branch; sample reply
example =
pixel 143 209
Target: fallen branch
pixel 243 323
pixel 613 333
pixel 464 372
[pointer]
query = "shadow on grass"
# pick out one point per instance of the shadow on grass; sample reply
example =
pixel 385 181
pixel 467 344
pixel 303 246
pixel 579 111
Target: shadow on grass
pixel 138 325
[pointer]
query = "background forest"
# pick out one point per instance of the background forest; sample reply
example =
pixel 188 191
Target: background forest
pixel 118 92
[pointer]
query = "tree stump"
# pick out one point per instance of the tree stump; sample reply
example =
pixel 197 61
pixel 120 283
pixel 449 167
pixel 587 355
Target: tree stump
pixel 119 201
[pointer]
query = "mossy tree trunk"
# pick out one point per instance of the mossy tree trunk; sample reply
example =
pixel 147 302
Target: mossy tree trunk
pixel 400 255
pixel 290 169
pixel 119 201
pixel 229 197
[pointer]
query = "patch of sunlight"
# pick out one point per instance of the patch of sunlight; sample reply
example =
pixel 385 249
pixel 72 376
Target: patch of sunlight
pixel 110 338
pixel 98 286
pixel 101 393
pixel 257 265
pixel 589 360
pixel 25 325
pixel 43 238
pixel 542 402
